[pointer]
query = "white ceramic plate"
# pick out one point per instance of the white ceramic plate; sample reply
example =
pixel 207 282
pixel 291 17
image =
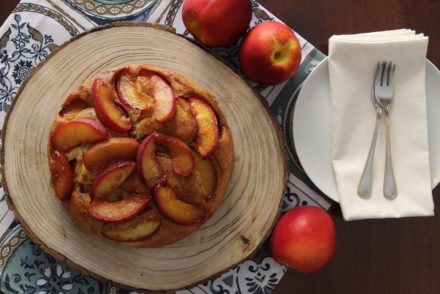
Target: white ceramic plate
pixel 312 127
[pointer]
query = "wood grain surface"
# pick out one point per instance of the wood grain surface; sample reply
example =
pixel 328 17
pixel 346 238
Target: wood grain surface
pixel 372 256
pixel 236 229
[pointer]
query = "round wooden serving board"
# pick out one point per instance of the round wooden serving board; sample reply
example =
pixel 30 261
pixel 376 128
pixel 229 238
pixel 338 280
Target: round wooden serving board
pixel 233 233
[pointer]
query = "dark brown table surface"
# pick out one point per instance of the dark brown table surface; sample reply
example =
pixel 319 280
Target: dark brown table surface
pixel 372 256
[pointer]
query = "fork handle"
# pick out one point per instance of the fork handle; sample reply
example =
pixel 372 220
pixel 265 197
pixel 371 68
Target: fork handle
pixel 389 183
pixel 365 182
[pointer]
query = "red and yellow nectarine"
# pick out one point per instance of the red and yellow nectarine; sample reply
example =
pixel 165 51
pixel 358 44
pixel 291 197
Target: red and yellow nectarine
pixel 304 239
pixel 270 53
pixel 217 22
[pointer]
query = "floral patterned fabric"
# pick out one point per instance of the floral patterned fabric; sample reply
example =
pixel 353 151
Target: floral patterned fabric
pixel 29 35
pixel 29 48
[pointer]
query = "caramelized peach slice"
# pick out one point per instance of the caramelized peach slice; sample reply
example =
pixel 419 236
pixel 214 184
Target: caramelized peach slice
pixel 110 151
pixel 119 211
pixel 181 185
pixel 138 228
pixel 148 167
pixel 183 125
pixel 175 209
pixel 195 189
pixel 110 179
pixel 129 89
pixel 165 101
pixel 62 174
pixel 181 154
pixel 107 110
pixel 204 176
pixel 70 110
pixel 77 132
pixel 164 98
pixel 207 136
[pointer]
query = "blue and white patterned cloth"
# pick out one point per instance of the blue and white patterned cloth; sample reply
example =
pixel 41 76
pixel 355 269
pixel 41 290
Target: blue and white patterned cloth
pixel 29 35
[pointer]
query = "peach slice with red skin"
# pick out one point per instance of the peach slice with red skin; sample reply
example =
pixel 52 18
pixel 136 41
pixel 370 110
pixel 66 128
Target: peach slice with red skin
pixel 164 98
pixel 183 125
pixel 129 90
pixel 119 211
pixel 175 209
pixel 62 174
pixel 204 176
pixel 208 133
pixel 76 132
pixel 195 189
pixel 149 167
pixel 136 229
pixel 111 114
pixel 181 154
pixel 110 179
pixel 70 110
pixel 110 151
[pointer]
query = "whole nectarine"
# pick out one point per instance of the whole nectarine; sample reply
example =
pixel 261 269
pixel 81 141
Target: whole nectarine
pixel 304 239
pixel 217 22
pixel 270 53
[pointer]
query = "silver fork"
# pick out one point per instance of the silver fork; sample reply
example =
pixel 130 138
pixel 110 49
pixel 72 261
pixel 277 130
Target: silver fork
pixel 384 93
pixel 364 186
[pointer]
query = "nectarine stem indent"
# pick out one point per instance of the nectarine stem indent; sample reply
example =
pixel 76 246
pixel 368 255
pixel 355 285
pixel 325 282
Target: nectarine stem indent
pixel 282 53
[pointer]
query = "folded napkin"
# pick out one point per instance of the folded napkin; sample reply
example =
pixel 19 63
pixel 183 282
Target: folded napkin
pixel 352 66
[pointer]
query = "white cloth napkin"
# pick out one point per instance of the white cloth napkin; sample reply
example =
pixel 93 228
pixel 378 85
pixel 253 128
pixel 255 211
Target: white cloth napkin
pixel 352 65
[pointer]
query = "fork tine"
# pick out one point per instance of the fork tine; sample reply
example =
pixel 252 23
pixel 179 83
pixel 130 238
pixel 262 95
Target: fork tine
pixel 378 83
pixel 382 73
pixel 373 92
pixel 388 73
pixel 391 75
pixel 377 77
